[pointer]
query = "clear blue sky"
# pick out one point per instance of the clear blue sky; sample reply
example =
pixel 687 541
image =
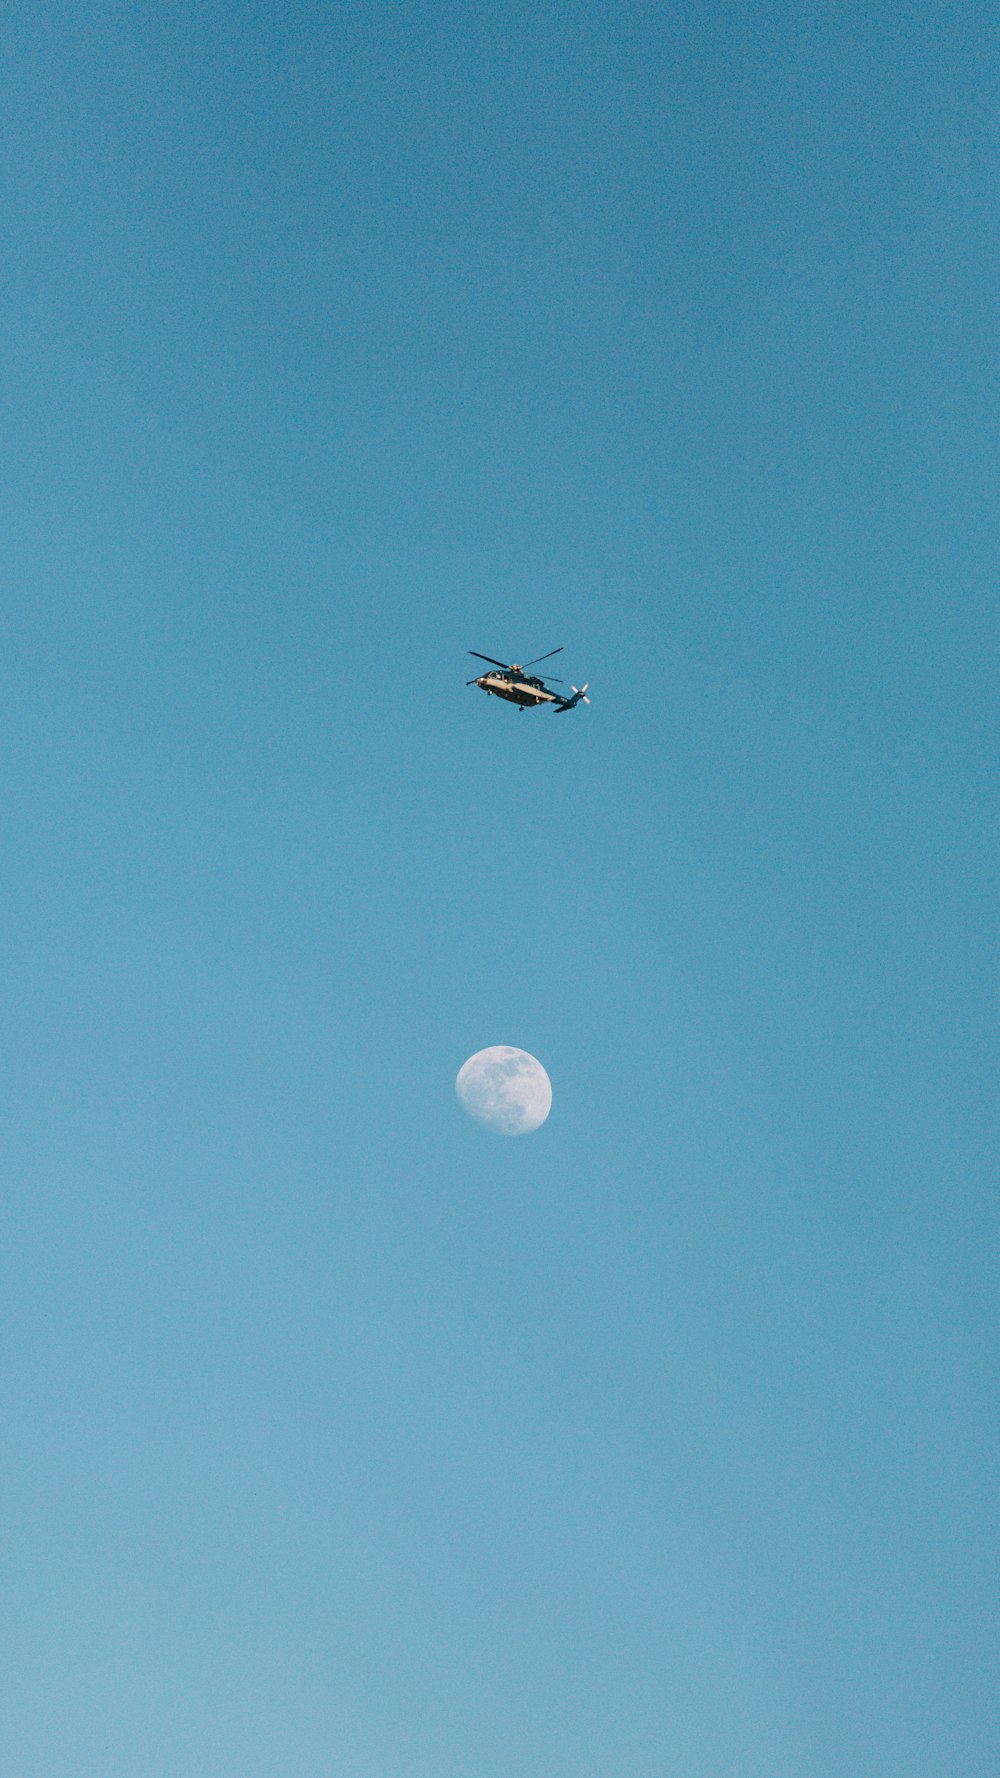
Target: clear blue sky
pixel 342 1439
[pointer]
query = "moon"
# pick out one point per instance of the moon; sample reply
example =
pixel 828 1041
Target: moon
pixel 506 1089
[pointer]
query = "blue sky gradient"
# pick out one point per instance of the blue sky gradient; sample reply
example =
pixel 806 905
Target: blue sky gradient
pixel 342 1437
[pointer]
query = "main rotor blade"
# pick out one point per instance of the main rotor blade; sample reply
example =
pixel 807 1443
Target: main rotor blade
pixel 538 657
pixel 488 657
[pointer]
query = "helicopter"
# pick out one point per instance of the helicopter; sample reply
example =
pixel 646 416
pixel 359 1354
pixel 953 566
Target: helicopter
pixel 520 687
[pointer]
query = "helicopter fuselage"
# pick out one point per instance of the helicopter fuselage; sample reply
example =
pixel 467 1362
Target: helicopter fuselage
pixel 519 688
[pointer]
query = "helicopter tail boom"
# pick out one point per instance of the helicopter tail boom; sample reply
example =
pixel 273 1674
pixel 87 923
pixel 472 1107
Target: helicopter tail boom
pixel 571 703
